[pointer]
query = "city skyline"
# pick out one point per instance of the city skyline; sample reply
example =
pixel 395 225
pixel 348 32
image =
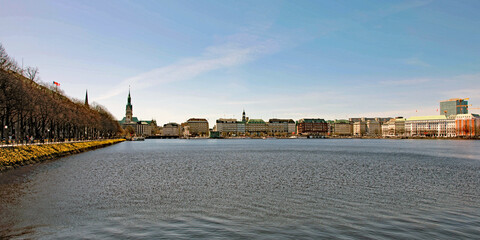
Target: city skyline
pixel 274 59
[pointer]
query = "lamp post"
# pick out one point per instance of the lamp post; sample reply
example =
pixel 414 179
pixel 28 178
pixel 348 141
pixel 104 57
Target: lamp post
pixel 6 137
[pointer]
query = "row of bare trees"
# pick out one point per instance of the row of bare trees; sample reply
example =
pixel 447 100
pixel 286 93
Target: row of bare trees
pixel 32 110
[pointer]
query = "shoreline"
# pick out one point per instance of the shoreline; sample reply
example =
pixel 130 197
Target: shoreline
pixel 325 137
pixel 18 156
pixel 330 137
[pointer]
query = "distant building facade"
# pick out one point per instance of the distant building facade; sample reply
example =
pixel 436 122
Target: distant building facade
pixel 359 128
pixel 171 130
pixel 312 126
pixel 454 106
pixel 256 127
pixel 197 127
pixel 373 128
pixel 394 128
pixel 362 119
pixel 342 128
pixel 365 119
pixel 467 125
pixel 230 127
pixel 370 127
pixel 281 126
pixel 430 126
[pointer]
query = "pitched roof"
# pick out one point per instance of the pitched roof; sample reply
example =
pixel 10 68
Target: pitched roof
pixel 255 121
pixel 276 120
pixel 171 124
pixel 311 120
pixel 124 119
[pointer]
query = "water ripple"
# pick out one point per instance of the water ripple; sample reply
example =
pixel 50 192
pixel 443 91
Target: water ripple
pixel 237 189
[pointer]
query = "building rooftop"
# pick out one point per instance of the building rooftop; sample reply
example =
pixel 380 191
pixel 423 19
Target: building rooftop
pixel 197 120
pixel 226 120
pixel 434 117
pixel 171 124
pixel 469 114
pixel 312 120
pixel 255 121
pixel 276 120
pixel 455 99
pixel 134 120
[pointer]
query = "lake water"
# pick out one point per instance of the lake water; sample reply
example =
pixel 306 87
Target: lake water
pixel 262 189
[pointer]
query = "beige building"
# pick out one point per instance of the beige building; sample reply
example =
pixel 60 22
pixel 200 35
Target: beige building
pixel 342 128
pixel 281 126
pixel 394 128
pixel 171 130
pixel 230 127
pixel 184 130
pixel 256 127
pixel 373 128
pixel 367 128
pixel 365 119
pixel 359 128
pixel 197 127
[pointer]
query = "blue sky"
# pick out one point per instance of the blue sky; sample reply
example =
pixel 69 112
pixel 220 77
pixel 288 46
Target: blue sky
pixel 284 59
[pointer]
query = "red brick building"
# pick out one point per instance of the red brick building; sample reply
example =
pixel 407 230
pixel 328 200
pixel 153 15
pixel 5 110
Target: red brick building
pixel 312 126
pixel 467 125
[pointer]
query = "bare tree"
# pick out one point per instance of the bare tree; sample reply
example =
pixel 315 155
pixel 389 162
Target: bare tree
pixel 35 109
pixel 32 74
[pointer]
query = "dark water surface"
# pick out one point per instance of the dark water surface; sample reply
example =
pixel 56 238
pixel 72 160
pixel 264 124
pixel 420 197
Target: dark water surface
pixel 263 189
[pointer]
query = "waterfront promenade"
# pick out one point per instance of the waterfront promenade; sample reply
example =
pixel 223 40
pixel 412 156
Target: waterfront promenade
pixel 37 142
pixel 20 155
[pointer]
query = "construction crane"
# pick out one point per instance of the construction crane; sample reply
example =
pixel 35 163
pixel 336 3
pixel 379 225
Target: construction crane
pixel 470 108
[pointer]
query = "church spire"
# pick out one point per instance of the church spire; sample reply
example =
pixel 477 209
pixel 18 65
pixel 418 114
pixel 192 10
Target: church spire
pixel 129 98
pixel 86 97
pixel 129 108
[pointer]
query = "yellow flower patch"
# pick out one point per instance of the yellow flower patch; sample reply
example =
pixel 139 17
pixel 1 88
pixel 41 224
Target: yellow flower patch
pixel 15 155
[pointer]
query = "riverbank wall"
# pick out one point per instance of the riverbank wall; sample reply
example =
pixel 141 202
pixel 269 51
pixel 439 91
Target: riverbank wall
pixel 17 156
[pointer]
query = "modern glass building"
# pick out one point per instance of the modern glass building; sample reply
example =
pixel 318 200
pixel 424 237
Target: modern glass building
pixel 453 106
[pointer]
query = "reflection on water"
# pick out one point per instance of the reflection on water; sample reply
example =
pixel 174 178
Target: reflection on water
pixel 250 189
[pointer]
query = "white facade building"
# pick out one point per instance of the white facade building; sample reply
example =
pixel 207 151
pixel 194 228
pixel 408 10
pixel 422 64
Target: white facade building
pixel 431 126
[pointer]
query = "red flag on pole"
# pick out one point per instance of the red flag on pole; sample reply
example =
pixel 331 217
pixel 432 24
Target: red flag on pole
pixel 56 83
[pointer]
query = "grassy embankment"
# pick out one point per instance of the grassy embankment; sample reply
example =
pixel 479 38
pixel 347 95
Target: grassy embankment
pixel 13 157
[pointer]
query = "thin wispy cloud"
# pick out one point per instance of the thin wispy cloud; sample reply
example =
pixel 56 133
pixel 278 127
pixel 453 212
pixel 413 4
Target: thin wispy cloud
pixel 466 85
pixel 226 55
